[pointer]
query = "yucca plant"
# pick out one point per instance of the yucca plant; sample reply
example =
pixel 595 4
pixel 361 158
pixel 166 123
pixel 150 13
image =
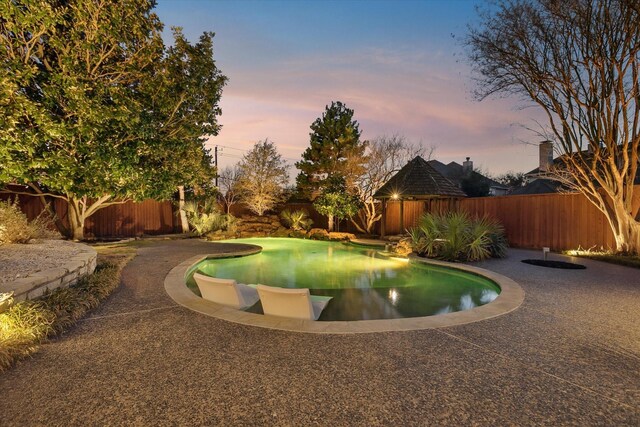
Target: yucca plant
pixel 478 247
pixel 455 236
pixel 207 218
pixel 498 238
pixel 296 220
pixel 431 230
pixel 418 241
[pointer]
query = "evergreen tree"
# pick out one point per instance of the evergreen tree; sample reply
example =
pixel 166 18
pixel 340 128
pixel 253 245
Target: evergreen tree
pixel 335 151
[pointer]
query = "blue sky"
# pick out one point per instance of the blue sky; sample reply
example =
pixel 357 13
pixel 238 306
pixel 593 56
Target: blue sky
pixel 399 64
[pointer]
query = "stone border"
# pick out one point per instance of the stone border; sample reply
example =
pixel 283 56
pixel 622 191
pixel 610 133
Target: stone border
pixel 510 298
pixel 69 272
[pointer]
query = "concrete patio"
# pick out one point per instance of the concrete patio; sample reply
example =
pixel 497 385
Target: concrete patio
pixel 570 355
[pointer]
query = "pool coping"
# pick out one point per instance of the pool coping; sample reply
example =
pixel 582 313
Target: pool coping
pixel 510 298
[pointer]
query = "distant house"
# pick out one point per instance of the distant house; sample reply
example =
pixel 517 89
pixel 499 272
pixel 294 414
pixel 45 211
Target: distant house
pixel 536 183
pixel 536 180
pixel 473 183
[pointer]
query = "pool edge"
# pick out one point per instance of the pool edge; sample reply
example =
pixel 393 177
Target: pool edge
pixel 510 298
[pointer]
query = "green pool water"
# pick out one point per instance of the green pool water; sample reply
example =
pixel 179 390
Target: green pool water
pixel 364 285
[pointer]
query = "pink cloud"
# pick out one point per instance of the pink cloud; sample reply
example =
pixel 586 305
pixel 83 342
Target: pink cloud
pixel 424 97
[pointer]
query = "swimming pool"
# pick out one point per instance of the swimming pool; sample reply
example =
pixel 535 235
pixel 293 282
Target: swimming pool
pixel 364 284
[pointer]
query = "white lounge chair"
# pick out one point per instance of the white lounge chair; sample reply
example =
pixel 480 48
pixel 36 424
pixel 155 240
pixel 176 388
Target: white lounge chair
pixel 294 303
pixel 226 291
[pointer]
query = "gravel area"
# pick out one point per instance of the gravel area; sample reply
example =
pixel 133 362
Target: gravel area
pixel 21 260
pixel 570 355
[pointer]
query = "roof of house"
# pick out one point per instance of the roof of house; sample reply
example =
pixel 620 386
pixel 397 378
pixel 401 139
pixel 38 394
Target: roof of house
pixel 419 179
pixel 450 171
pixel 539 186
pixel 455 172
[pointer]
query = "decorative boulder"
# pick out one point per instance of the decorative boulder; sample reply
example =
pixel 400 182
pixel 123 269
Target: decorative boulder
pixel 318 234
pixel 334 235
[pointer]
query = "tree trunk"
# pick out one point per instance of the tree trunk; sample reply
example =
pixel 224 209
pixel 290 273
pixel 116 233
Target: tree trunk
pixel 183 215
pixel 330 225
pixel 626 231
pixel 76 221
pixel 79 209
pixel 366 218
pixel 62 228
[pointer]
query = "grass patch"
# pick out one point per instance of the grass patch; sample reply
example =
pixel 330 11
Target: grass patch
pixel 626 260
pixel 27 324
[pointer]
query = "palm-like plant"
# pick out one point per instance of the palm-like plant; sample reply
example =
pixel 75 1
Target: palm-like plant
pixel 455 236
pixel 207 218
pixel 296 220
pixel 432 229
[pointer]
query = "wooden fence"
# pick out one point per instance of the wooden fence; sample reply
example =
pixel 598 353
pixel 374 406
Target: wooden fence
pixel 123 220
pixel 558 221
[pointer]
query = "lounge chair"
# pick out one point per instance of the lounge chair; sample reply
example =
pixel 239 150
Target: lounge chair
pixel 226 291
pixel 294 303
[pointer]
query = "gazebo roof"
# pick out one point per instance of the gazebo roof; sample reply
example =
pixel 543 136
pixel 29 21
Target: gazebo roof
pixel 418 179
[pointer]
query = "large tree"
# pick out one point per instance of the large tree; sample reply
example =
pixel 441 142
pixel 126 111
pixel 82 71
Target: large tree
pixel 579 61
pixel 335 151
pixel 96 110
pixel 262 177
pixel 385 156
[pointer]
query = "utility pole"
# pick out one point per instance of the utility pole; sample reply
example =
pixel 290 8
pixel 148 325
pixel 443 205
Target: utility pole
pixel 215 161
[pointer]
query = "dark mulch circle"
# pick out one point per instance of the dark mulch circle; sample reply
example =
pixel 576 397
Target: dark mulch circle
pixel 554 264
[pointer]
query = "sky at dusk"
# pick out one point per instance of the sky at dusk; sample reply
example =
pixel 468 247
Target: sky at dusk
pixel 400 65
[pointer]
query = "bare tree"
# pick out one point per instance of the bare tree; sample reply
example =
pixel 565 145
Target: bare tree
pixel 579 61
pixel 263 176
pixel 228 182
pixel 385 156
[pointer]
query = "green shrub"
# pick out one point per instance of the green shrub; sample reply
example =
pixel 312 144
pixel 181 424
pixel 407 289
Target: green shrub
pixel 455 236
pixel 207 217
pixel 16 228
pixel 296 220
pixel 28 323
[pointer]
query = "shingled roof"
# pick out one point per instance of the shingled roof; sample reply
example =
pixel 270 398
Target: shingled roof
pixel 418 179
pixel 454 172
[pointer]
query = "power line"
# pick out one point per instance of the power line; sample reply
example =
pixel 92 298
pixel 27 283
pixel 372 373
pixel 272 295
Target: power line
pixel 222 153
pixel 232 148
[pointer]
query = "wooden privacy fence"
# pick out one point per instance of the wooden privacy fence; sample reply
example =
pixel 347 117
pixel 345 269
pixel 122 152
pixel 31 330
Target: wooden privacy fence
pixel 559 221
pixel 123 220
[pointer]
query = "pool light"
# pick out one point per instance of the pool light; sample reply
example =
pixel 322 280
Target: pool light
pixel 393 296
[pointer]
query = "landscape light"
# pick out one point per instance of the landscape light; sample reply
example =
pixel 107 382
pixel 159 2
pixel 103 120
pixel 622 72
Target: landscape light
pixel 6 300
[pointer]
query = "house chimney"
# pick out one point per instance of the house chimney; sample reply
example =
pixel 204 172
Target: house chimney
pixel 546 156
pixel 467 166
